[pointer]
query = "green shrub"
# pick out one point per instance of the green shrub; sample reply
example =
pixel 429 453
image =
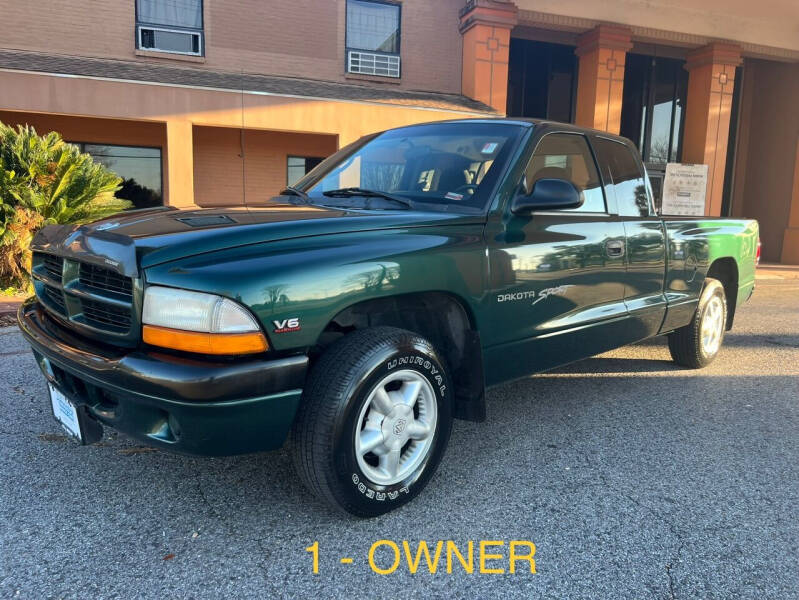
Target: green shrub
pixel 44 181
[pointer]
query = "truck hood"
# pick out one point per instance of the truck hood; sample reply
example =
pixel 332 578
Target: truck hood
pixel 154 236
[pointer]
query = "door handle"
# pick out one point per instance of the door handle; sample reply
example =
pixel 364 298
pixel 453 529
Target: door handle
pixel 614 248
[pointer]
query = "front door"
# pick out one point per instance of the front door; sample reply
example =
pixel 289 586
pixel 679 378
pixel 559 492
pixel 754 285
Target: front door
pixel 556 290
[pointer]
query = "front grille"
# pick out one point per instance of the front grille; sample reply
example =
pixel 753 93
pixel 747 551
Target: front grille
pixel 92 299
pixel 104 316
pixel 55 296
pixel 53 265
pixel 105 280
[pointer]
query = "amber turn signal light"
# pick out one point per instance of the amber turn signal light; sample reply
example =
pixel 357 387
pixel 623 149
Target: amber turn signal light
pixel 205 343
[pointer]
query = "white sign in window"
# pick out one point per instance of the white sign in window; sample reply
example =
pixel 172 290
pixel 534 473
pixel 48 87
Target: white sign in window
pixel 684 189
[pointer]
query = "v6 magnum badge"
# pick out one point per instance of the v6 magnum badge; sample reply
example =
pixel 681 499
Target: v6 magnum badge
pixel 287 325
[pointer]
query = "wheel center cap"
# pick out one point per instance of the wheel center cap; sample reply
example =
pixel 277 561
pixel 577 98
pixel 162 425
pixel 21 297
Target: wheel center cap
pixel 395 426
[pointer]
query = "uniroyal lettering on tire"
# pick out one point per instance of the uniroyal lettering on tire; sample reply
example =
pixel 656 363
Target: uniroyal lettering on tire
pixel 426 364
pixel 374 421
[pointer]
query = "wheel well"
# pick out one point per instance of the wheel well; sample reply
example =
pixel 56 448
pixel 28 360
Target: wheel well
pixel 441 318
pixel 726 271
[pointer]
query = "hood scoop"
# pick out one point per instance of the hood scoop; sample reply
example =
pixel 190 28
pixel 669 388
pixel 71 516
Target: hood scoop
pixel 207 220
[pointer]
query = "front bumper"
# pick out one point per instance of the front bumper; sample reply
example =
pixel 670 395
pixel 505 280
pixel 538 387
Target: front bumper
pixel 210 408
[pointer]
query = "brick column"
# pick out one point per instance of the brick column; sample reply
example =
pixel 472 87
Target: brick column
pixel 600 83
pixel 790 240
pixel 485 26
pixel 707 114
pixel 179 164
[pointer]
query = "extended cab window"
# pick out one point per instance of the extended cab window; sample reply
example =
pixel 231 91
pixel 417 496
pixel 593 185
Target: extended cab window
pixel 626 178
pixel 567 156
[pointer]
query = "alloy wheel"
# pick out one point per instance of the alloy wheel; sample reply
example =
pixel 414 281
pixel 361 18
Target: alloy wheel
pixel 396 427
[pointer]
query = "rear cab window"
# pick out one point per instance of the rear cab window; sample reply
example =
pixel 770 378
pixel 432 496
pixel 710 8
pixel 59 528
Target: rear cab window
pixel 624 177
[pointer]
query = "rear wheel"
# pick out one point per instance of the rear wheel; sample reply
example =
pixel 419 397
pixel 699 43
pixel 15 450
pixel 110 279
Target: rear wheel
pixel 699 342
pixel 374 421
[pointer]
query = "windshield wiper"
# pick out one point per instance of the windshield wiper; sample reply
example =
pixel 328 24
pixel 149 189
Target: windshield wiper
pixel 292 191
pixel 349 192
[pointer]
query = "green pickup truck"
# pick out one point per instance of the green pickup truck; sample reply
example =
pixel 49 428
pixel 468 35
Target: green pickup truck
pixel 362 310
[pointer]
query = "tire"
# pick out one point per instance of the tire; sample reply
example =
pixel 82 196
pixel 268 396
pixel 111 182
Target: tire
pixel 367 451
pixel 698 343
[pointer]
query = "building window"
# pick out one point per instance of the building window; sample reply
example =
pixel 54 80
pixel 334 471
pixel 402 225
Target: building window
pixel 298 166
pixel 373 38
pixel 139 168
pixel 174 26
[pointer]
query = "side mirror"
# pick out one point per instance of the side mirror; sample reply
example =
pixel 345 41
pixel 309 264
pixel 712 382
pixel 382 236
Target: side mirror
pixel 547 194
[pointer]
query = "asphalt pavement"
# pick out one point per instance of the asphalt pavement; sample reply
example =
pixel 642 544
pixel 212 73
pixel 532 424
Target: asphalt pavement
pixel 633 477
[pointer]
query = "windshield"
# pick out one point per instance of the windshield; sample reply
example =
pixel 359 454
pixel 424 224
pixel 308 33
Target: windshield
pixel 450 164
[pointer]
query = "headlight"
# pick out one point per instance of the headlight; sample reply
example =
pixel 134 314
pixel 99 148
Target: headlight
pixel 197 322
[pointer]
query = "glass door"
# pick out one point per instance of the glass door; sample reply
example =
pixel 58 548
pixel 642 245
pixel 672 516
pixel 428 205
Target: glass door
pixel 542 80
pixel 653 112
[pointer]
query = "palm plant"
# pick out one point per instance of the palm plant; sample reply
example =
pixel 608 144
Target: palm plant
pixel 43 181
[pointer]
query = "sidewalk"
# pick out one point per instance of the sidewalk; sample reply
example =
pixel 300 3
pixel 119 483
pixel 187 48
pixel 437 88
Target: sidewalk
pixel 775 271
pixel 8 309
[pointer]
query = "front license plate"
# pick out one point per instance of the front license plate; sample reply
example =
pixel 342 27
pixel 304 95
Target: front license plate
pixel 65 412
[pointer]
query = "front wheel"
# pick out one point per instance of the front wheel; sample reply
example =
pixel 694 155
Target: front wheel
pixel 374 421
pixel 698 343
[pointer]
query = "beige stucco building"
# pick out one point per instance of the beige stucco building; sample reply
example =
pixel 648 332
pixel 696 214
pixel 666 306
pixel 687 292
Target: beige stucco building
pixel 203 102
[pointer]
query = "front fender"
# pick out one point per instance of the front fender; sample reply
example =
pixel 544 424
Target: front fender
pixel 312 279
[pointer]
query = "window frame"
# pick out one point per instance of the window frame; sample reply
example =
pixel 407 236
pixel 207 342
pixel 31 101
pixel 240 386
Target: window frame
pixel 348 48
pixel 592 152
pixel 139 25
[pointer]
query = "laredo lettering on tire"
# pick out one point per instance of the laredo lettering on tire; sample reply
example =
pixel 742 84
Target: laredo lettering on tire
pixel 374 421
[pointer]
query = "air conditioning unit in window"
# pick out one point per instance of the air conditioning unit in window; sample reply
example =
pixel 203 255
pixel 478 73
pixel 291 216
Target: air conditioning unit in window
pixel 177 41
pixel 371 63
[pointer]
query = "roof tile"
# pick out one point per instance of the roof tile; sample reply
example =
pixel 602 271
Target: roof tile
pixel 248 82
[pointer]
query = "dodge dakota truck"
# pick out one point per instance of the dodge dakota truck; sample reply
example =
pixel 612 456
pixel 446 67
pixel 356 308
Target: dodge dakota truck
pixel 361 311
